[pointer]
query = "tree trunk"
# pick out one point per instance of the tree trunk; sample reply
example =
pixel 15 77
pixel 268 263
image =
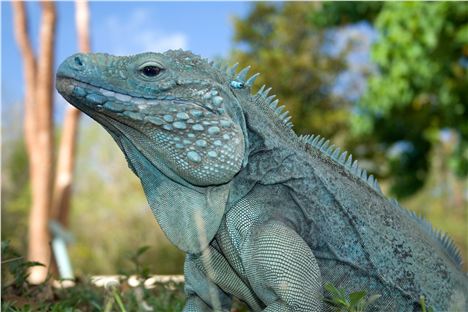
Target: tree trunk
pixel 29 71
pixel 65 165
pixel 66 157
pixel 38 130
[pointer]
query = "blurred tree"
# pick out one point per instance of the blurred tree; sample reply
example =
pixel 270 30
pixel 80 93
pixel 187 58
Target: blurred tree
pixel 419 93
pixel 38 129
pixel 280 42
pixel 332 14
pixel 47 201
pixel 67 150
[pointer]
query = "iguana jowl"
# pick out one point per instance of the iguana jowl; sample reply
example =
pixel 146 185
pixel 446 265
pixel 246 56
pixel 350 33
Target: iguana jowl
pixel 263 215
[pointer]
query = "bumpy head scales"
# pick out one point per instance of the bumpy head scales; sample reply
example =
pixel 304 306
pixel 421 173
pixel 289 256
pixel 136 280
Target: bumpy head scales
pixel 177 111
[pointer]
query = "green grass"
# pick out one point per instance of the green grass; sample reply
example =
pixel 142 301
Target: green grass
pixel 86 297
pixel 354 302
pixel 19 295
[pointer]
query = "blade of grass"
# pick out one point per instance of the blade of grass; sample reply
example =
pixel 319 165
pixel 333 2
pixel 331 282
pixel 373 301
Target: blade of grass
pixel 118 299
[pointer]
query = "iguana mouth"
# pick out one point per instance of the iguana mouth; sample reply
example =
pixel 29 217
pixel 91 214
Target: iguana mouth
pixel 116 128
pixel 103 99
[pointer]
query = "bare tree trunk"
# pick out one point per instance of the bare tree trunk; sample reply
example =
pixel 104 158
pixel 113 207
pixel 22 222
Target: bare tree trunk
pixel 66 157
pixel 44 147
pixel 29 71
pixel 65 165
pixel 38 130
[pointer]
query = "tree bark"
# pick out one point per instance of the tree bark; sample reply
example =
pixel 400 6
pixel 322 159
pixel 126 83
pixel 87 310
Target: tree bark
pixel 29 71
pixel 38 130
pixel 44 147
pixel 65 165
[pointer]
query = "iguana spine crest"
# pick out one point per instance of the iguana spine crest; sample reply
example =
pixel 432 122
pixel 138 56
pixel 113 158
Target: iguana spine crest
pixel 345 159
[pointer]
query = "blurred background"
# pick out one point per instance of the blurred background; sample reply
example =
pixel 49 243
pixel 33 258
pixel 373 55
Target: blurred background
pixel 385 81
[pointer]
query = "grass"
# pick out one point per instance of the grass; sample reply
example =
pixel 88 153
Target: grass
pixel 86 297
pixel 19 295
pixel 354 302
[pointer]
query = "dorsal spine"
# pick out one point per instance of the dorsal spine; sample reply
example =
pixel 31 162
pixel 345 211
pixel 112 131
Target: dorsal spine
pixel 345 159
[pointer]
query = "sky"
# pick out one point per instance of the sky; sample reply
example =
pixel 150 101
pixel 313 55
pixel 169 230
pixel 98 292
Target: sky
pixel 121 28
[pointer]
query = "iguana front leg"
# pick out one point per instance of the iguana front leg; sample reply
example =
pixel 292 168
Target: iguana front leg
pixel 206 275
pixel 282 269
pixel 202 293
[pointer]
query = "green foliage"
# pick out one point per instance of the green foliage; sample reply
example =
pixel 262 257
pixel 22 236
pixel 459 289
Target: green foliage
pixel 18 295
pixel 420 85
pixel 139 268
pixel 332 14
pixel 86 297
pixel 114 298
pixel 16 198
pixel 280 42
pixel 354 302
pixel 357 301
pixel 15 277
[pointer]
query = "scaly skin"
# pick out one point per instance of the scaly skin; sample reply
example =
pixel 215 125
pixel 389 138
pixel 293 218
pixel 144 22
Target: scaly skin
pixel 263 215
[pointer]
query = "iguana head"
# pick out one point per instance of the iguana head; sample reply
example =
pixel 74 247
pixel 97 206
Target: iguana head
pixel 179 124
pixel 180 116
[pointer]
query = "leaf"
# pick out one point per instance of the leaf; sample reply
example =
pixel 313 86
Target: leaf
pixel 338 296
pixel 142 250
pixel 29 264
pixel 330 288
pixel 118 299
pixel 355 297
pixel 334 291
pixel 5 246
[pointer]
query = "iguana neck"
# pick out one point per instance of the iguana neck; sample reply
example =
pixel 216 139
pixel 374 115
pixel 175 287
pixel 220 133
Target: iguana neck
pixel 265 129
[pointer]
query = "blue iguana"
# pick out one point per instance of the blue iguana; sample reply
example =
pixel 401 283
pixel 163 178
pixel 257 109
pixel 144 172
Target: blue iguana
pixel 263 215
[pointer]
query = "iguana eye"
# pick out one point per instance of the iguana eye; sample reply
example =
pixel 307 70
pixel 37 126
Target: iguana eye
pixel 150 70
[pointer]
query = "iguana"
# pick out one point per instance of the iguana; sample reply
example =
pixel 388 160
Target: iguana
pixel 263 215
